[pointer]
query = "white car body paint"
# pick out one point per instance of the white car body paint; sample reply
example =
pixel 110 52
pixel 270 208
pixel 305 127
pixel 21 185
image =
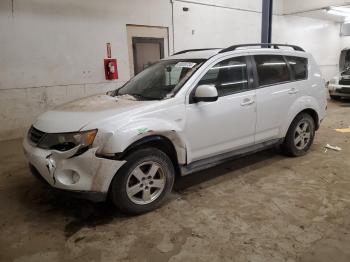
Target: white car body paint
pixel 197 130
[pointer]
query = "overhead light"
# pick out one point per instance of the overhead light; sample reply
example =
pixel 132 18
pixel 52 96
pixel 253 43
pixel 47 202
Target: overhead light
pixel 340 11
pixel 335 12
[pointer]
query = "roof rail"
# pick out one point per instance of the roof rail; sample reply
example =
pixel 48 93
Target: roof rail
pixel 262 45
pixel 194 50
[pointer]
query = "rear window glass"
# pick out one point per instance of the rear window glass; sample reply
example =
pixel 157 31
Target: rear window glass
pixel 298 66
pixel 272 69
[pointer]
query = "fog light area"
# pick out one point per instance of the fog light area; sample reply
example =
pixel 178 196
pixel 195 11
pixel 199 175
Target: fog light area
pixel 67 177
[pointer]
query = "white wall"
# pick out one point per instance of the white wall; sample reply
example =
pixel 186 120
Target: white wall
pixel 229 22
pixel 52 51
pixel 294 6
pixel 49 42
pixel 205 26
pixel 319 37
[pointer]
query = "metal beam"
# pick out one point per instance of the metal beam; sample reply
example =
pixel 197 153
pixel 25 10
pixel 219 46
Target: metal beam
pixel 266 21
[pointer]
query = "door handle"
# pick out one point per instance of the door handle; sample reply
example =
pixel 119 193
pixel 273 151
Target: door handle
pixel 247 101
pixel 293 90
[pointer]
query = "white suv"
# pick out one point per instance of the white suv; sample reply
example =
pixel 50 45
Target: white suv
pixel 190 111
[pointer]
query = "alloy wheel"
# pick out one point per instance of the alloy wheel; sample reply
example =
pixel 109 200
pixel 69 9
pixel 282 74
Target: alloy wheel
pixel 302 135
pixel 145 183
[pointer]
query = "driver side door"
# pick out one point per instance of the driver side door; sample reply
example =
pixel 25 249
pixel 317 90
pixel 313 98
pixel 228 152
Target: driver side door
pixel 227 124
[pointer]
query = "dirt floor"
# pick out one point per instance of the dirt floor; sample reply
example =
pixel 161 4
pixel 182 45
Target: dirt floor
pixel 264 207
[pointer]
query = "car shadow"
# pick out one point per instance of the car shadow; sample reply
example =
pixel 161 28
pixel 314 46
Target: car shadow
pixel 228 170
pixel 81 213
pixel 343 102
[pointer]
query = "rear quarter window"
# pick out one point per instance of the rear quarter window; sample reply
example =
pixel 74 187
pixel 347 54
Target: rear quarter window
pixel 298 65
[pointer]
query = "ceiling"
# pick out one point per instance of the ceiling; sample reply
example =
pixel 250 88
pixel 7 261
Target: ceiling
pixel 322 14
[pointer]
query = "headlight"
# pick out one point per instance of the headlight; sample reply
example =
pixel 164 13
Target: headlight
pixel 66 141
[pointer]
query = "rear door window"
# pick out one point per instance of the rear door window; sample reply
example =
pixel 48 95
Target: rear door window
pixel 272 69
pixel 298 66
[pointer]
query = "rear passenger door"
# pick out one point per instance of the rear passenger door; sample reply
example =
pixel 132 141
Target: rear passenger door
pixel 275 94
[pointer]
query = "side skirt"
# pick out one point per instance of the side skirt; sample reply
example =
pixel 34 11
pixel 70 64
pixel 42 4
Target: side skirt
pixel 222 158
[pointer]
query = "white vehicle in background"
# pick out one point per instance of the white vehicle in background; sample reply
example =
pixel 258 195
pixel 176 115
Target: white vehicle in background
pixel 188 112
pixel 339 86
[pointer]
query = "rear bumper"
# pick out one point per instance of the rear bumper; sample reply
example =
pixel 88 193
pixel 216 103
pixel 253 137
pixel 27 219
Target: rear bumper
pixel 339 90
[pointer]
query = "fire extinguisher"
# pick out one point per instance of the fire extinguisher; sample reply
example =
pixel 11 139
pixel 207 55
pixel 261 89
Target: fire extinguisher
pixel 110 64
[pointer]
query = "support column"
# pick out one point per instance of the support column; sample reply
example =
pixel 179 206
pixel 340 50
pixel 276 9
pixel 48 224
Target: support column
pixel 266 21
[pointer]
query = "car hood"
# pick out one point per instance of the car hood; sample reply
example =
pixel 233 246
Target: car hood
pixel 73 116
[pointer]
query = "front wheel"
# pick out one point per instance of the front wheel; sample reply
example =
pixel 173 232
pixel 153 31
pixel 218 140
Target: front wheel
pixel 300 135
pixel 143 182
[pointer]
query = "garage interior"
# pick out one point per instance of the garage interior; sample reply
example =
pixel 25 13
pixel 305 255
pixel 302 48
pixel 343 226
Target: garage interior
pixel 262 207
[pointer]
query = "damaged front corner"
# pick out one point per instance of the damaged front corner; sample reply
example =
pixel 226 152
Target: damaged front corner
pixel 85 172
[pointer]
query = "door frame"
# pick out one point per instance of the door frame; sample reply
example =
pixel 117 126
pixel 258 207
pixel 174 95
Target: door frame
pixel 138 40
pixel 134 30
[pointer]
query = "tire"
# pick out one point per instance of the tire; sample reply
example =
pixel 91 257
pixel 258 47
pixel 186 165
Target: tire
pixel 132 188
pixel 300 135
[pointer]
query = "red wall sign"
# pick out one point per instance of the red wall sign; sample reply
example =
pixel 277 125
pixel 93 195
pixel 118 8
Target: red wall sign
pixel 111 70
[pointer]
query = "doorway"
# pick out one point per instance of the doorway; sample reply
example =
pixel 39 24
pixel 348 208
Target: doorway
pixel 146 51
pixel 146 45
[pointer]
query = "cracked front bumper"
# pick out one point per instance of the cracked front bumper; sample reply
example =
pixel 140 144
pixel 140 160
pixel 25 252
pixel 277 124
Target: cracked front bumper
pixel 64 170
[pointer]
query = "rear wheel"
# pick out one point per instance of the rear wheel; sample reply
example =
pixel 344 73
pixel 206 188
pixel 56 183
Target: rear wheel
pixel 300 135
pixel 143 182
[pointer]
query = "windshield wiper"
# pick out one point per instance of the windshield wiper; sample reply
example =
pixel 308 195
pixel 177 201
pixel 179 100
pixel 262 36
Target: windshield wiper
pixel 139 96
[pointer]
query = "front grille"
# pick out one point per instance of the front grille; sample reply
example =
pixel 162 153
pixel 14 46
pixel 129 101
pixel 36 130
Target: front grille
pixel 344 90
pixel 35 135
pixel 344 81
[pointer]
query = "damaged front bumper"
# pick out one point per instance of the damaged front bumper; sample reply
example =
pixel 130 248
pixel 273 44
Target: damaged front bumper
pixel 84 174
pixel 339 90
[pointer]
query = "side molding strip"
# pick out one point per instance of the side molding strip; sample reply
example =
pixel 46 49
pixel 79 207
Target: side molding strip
pixel 222 158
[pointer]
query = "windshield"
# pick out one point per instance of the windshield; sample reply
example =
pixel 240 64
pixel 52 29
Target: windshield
pixel 159 81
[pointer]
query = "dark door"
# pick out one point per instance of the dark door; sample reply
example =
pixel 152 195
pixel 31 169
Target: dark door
pixel 146 51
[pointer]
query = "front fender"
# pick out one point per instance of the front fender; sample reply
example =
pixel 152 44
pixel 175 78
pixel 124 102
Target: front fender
pixel 302 103
pixel 133 132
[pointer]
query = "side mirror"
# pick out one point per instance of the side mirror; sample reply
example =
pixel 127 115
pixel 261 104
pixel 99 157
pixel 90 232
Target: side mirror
pixel 206 93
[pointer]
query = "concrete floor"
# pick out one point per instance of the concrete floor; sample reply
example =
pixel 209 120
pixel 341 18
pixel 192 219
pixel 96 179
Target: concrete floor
pixel 264 207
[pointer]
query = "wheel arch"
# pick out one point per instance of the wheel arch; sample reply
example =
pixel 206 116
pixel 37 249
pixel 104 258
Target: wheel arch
pixel 158 141
pixel 306 104
pixel 314 116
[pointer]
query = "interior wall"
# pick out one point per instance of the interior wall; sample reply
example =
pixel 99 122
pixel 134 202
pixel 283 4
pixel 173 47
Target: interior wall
pixel 296 6
pixel 52 51
pixel 319 37
pixel 206 26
